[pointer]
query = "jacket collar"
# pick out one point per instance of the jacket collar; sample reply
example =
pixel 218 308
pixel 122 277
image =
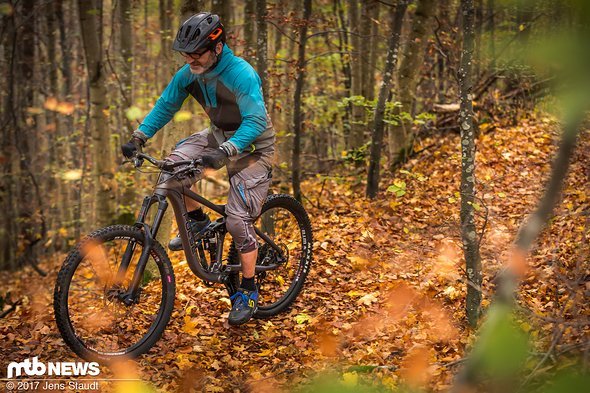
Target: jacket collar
pixel 226 58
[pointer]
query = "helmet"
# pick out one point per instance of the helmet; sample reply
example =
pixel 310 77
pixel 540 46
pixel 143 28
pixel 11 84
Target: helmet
pixel 200 31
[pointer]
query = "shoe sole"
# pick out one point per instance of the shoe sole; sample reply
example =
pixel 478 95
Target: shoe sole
pixel 241 322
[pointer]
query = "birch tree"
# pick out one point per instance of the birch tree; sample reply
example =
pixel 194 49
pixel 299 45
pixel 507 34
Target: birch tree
pixel 468 228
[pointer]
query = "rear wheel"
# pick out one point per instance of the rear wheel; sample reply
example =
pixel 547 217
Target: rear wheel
pixel 286 223
pixel 93 315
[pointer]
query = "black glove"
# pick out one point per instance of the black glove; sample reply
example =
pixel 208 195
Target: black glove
pixel 216 159
pixel 129 148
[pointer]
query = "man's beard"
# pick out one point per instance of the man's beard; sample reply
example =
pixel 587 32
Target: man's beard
pixel 204 68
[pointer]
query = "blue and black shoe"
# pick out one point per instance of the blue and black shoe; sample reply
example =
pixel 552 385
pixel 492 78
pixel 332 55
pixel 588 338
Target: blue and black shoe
pixel 244 305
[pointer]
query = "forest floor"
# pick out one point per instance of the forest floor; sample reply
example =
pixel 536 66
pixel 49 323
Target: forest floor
pixel 384 302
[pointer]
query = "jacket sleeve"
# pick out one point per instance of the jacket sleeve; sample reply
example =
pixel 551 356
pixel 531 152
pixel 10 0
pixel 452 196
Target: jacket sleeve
pixel 251 104
pixel 167 105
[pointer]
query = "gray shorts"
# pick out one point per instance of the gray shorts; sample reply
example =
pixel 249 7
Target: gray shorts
pixel 249 178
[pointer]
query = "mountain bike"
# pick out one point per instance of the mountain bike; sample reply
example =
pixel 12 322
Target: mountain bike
pixel 115 291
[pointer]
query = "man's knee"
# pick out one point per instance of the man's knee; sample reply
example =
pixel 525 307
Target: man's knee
pixel 242 232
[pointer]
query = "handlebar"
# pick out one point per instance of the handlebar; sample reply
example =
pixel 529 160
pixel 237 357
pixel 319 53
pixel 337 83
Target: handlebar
pixel 164 164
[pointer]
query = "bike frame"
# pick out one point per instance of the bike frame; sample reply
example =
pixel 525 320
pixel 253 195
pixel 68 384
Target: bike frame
pixel 175 190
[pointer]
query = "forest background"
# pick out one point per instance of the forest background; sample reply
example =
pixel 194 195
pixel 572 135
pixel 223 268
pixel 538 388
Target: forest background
pixel 379 107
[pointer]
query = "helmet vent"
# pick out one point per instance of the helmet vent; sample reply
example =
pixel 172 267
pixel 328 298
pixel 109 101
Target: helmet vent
pixel 196 34
pixel 209 20
pixel 187 32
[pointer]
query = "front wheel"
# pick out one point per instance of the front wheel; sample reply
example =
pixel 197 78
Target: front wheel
pixel 94 316
pixel 285 221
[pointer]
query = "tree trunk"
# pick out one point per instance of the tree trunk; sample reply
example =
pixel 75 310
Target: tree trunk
pixel 53 185
pixel 228 15
pixel 297 118
pixel 346 71
pixel 284 119
pixel 249 27
pixel 365 39
pixel 491 27
pixel 468 229
pixel 478 32
pixel 27 186
pixel 441 68
pixel 190 7
pixel 356 128
pixel 217 7
pixel 72 193
pixel 125 16
pixel 396 20
pixel 261 46
pixel 373 50
pixel 401 136
pixel 8 197
pixel 91 25
pixel 39 149
pixel 275 67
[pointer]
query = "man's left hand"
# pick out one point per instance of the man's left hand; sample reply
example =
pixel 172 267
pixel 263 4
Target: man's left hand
pixel 216 159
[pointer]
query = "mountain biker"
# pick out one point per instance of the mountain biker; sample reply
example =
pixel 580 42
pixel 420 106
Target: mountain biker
pixel 240 136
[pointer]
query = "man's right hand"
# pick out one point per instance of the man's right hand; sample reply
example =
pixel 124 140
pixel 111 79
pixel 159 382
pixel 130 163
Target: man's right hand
pixel 129 148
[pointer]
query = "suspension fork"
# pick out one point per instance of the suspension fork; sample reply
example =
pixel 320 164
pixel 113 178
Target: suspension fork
pixel 149 235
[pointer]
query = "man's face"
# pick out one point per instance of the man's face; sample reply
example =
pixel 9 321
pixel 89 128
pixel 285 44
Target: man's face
pixel 200 61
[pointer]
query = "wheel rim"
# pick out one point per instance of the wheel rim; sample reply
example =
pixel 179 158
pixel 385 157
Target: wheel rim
pixel 100 320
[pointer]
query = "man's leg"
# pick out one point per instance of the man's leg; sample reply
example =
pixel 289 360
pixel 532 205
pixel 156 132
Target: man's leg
pixel 248 190
pixel 194 146
pixel 248 260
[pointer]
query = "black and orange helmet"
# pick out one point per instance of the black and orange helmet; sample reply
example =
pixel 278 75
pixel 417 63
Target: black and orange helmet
pixel 201 31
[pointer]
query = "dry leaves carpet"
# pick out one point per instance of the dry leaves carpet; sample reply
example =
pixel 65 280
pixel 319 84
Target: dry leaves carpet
pixel 384 301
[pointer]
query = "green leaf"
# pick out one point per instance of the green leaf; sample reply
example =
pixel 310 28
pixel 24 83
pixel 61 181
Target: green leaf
pixel 398 188
pixel 302 318
pixel 392 122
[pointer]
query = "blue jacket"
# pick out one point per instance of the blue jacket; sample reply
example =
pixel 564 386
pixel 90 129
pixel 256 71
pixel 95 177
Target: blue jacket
pixel 230 93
